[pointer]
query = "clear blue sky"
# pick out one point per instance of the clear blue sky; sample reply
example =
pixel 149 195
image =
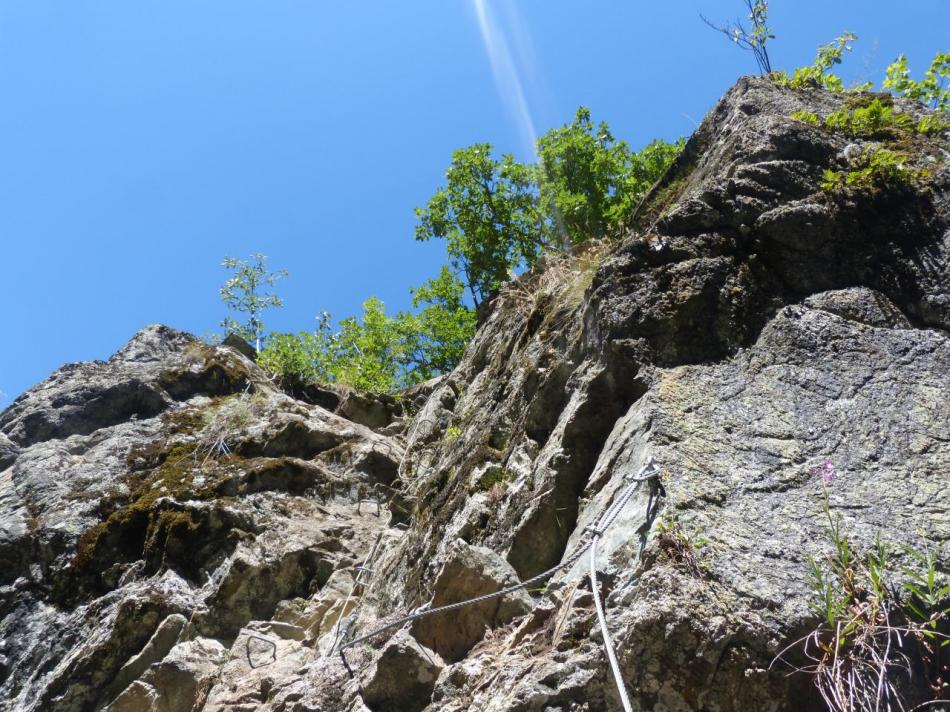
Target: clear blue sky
pixel 141 142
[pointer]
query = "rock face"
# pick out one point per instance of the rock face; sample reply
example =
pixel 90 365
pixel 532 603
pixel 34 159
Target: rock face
pixel 162 516
pixel 176 534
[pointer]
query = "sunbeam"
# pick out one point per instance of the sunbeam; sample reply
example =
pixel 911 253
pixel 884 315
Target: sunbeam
pixel 506 74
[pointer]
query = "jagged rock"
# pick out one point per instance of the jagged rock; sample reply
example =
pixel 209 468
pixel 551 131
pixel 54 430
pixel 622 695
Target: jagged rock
pixel 783 327
pixel 178 682
pixel 469 571
pixel 374 410
pixel 862 305
pixel 166 635
pixel 264 658
pixel 119 522
pixel 156 368
pixel 402 677
pixel 8 452
pixel 241 346
pixel 750 327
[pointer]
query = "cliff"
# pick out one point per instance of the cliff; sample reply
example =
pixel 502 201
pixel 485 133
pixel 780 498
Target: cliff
pixel 177 534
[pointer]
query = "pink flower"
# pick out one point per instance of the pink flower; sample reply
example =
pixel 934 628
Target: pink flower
pixel 827 471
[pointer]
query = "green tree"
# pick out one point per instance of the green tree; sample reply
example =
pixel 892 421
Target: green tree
pixel 435 337
pixel 497 216
pixel 645 169
pixel 377 352
pixel 244 293
pixel 488 215
pixel 581 178
pixel 364 353
pixel 589 182
pixel 367 352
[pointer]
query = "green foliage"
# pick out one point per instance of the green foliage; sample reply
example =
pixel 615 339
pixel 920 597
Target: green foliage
pixel 581 168
pixel 367 352
pixel 928 598
pixel 754 40
pixel 488 215
pixel 879 168
pixel 874 119
pixel 864 620
pixel 498 215
pixel 933 125
pixel 678 545
pixel 589 182
pixel 931 90
pixel 435 337
pixel 378 352
pixel 807 117
pixel 363 353
pixel 299 360
pixel 833 578
pixel 494 477
pixel 819 73
pixel 243 293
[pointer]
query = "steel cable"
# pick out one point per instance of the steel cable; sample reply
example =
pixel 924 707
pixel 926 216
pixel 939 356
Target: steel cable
pixel 647 472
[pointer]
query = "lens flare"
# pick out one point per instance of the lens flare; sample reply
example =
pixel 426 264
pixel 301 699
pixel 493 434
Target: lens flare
pixel 505 71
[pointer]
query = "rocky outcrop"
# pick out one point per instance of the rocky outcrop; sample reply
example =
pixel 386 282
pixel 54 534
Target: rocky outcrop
pixel 177 534
pixel 161 512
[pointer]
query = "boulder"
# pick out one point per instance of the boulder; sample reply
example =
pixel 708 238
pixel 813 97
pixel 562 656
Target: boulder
pixel 468 572
pixel 401 677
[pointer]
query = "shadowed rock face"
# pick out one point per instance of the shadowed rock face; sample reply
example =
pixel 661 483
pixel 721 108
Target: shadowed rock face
pixel 177 535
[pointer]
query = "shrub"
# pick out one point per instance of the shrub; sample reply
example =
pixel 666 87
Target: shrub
pixel 378 352
pixel 296 360
pixel 931 90
pixel 819 74
pixel 807 117
pixel 933 125
pixel 880 168
pixel 876 118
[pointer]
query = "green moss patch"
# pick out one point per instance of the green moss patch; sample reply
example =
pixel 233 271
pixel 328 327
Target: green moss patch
pixel 495 475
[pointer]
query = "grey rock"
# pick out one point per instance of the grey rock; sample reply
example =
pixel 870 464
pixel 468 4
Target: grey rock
pixel 402 677
pixel 157 367
pixel 374 410
pixel 241 346
pixel 862 305
pixel 469 571
pixel 119 524
pixel 179 682
pixel 8 452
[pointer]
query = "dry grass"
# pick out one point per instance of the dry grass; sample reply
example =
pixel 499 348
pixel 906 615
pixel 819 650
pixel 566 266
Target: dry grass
pixel 864 662
pixel 557 286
